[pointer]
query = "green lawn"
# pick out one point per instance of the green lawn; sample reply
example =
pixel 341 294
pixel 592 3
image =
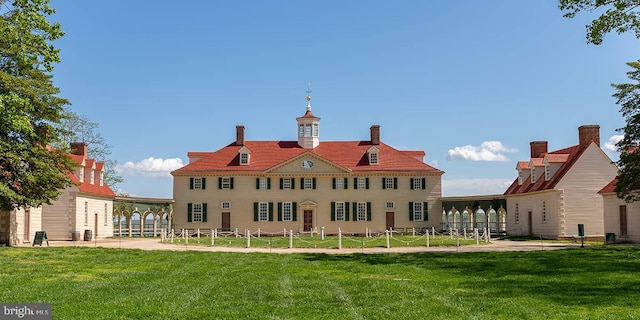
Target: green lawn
pixel 98 283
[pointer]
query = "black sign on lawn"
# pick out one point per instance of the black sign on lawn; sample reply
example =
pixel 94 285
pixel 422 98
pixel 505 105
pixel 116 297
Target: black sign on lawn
pixel 40 237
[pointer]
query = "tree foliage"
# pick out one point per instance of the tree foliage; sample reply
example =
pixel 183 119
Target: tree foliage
pixel 30 173
pixel 620 16
pixel 628 95
pixel 78 128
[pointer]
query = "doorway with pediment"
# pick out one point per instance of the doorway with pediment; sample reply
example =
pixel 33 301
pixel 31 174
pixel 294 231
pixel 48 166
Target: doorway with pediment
pixel 308 209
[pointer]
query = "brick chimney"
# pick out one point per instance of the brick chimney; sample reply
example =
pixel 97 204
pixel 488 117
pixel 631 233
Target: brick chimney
pixel 538 148
pixel 587 134
pixel 375 134
pixel 79 148
pixel 239 135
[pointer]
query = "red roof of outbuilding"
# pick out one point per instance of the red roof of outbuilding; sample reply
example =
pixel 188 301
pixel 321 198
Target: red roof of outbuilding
pixel 573 152
pixel 611 187
pixel 85 187
pixel 351 155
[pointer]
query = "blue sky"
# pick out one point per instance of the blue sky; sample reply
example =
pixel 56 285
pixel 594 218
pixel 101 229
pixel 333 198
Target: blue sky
pixel 469 82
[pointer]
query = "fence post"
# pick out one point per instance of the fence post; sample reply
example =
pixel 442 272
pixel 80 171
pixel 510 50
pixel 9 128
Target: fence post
pixel 236 232
pixel 322 233
pixel 450 233
pixel 162 235
pixel 290 239
pixel 172 236
pixel 213 237
pixel 465 233
pixel 258 233
pixel 457 239
pixel 311 232
pixel 387 236
pixel 198 233
pixel 186 237
pixel 339 238
pixel 427 236
pixel 284 233
pixel 433 232
pixel 248 238
pixel 486 235
pixel 413 232
pixel 476 234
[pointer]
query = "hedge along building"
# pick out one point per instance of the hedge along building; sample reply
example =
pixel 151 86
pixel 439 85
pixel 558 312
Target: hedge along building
pixel 306 185
pixel 555 191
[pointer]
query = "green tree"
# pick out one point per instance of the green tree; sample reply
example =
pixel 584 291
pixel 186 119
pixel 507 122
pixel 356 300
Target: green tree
pixel 30 173
pixel 78 128
pixel 620 16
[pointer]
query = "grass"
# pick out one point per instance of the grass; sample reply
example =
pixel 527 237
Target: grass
pixel 99 283
pixel 328 242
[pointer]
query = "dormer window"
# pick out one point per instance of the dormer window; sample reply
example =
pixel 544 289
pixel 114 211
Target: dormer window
pixel 81 174
pixel 533 174
pixel 244 156
pixel 373 155
pixel 92 177
pixel 547 173
pixel 520 178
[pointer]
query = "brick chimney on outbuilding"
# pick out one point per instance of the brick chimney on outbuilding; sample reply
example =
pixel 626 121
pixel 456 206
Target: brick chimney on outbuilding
pixel 79 148
pixel 239 135
pixel 375 134
pixel 538 148
pixel 588 134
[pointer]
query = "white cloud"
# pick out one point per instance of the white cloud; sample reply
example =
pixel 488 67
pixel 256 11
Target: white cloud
pixel 487 151
pixel 151 167
pixel 610 145
pixel 474 187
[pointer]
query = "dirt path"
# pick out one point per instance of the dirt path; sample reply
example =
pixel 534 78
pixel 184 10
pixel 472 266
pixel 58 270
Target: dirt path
pixel 155 244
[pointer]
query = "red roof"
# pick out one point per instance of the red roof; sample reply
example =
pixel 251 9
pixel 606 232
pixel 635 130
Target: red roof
pixel 573 152
pixel 611 187
pixel 557 158
pixel 86 187
pixel 351 155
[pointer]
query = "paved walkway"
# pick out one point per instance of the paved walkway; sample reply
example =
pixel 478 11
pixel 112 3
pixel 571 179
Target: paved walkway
pixel 155 244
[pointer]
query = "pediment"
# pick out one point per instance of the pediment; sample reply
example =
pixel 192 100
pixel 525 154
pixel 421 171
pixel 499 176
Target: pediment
pixel 307 163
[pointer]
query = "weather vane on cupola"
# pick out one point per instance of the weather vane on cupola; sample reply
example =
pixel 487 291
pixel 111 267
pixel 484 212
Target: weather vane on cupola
pixel 308 96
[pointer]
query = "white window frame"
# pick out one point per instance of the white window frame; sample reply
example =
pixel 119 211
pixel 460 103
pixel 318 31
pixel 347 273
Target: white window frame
pixel 263 211
pixel 301 130
pixel 389 183
pixel 197 183
pixel 101 178
pixel 225 205
pixel 244 159
pixel 196 212
pixel 308 183
pixel 287 211
pixel 418 211
pixel 263 183
pixel 390 205
pixel 226 183
pixel 520 177
pixel 362 183
pixel 340 211
pixel 307 130
pixel 286 183
pixel 316 130
pixel 362 211
pixel 92 177
pixel 533 174
pixel 81 174
pixel 340 183
pixel 373 158
pixel 417 183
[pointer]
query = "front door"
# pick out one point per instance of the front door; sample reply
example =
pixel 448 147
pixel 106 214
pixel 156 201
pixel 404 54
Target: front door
pixel 623 220
pixel 226 221
pixel 308 220
pixel 390 220
pixel 530 224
